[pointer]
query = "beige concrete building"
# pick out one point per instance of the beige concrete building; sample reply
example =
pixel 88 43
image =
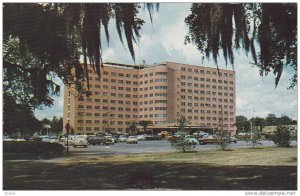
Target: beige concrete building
pixel 160 93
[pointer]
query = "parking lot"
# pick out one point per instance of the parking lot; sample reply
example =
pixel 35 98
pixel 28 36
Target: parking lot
pixel 144 147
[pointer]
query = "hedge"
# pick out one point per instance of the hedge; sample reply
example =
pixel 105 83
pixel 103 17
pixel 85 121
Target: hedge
pixel 33 148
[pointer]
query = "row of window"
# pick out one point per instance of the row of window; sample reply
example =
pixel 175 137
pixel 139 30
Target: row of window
pixel 120 95
pixel 119 74
pixel 112 116
pixel 206 92
pixel 195 70
pixel 183 97
pixel 214 99
pixel 98 129
pixel 206 72
pixel 135 103
pixel 120 81
pixel 135 75
pixel 107 115
pixel 196 85
pixel 183 77
pixel 206 105
pixel 208 112
pixel 128 89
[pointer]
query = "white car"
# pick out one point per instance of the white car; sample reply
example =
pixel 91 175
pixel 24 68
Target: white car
pixel 80 140
pixel 6 139
pixel 20 140
pixel 122 138
pixel 53 139
pixel 45 139
pixel 141 137
pixel 70 140
pixel 109 139
pixel 132 140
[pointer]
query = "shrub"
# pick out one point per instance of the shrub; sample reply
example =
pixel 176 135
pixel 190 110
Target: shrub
pixel 33 148
pixel 282 136
pixel 181 143
pixel 223 136
pixel 255 138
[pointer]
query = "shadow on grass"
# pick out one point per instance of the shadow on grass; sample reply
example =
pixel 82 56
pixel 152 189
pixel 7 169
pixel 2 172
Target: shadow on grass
pixel 146 175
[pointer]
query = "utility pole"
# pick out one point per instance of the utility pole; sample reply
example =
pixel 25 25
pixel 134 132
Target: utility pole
pixel 251 133
pixel 68 127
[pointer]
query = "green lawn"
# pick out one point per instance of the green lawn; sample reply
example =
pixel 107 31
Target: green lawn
pixel 241 169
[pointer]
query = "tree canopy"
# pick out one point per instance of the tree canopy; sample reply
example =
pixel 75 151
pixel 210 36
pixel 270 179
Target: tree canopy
pixel 42 41
pixel 145 124
pixel 18 117
pixel 243 124
pixel 45 40
pixel 270 27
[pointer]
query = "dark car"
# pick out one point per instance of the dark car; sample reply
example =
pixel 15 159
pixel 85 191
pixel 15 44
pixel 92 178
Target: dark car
pixel 152 137
pixel 96 140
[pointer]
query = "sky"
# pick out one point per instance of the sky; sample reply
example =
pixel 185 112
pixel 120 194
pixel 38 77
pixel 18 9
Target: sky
pixel 163 40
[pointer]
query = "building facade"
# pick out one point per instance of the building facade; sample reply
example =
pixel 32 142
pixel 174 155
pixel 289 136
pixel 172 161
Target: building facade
pixel 160 93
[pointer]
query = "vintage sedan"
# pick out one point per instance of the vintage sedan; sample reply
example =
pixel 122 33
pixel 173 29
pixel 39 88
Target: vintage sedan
pixel 132 140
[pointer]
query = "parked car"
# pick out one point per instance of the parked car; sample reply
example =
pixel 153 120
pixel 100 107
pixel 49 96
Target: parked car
pixel 109 140
pixel 122 138
pixel 7 139
pixel 96 140
pixel 132 140
pixel 191 140
pixel 80 140
pixel 20 140
pixel 232 139
pixel 141 137
pixel 152 137
pixel 63 139
pixel 164 135
pixel 53 139
pixel 45 139
pixel 70 140
pixel 210 139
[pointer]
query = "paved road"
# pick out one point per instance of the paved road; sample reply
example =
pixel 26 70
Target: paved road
pixel 144 147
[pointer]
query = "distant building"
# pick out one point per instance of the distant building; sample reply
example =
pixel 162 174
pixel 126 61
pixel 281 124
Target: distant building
pixel 160 93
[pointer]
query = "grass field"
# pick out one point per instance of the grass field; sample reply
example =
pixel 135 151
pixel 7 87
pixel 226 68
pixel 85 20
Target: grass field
pixel 264 168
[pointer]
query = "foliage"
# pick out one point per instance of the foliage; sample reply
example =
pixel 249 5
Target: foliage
pixel 133 127
pixel 268 26
pixel 223 136
pixel 44 40
pixel 272 120
pixel 34 148
pixel 18 117
pixel 255 138
pixel 269 120
pixel 179 141
pixel 282 136
pixel 242 123
pixel 145 124
pixel 56 124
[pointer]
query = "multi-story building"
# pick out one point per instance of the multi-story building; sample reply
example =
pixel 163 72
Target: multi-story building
pixel 160 93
